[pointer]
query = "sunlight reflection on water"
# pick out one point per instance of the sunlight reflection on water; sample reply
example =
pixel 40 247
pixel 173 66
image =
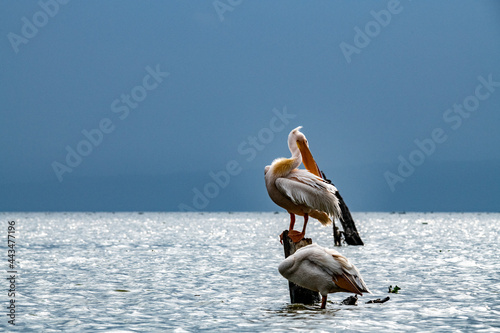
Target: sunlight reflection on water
pixel 135 272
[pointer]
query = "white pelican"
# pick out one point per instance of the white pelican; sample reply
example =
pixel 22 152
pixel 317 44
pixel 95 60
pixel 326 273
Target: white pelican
pixel 323 270
pixel 301 192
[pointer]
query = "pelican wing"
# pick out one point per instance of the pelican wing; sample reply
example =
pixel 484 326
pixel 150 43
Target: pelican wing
pixel 343 273
pixel 350 277
pixel 349 283
pixel 304 188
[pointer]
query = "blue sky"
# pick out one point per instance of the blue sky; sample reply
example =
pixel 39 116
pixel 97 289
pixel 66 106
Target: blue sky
pixel 180 104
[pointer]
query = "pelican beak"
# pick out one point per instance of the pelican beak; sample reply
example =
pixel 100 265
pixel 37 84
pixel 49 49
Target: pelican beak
pixel 308 159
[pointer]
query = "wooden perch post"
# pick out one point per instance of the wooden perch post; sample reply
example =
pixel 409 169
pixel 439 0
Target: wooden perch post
pixel 297 293
pixel 351 235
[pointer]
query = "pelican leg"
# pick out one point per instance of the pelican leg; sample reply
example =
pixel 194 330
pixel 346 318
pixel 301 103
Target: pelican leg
pixel 306 218
pixel 323 301
pixel 296 236
pixel 292 222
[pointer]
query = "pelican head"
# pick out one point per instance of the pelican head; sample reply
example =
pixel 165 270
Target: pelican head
pixel 296 135
pixel 296 139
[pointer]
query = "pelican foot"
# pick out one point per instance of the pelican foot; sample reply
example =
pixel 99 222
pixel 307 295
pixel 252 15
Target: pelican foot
pixel 296 236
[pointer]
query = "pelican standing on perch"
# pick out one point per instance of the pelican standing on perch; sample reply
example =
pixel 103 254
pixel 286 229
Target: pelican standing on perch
pixel 322 270
pixel 301 192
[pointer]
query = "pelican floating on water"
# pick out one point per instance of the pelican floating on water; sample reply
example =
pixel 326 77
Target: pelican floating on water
pixel 323 270
pixel 301 192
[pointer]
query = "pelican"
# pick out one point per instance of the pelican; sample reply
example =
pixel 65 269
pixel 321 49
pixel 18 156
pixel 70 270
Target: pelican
pixel 301 192
pixel 323 270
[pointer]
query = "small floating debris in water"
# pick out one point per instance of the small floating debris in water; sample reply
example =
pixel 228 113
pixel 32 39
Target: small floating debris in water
pixel 122 290
pixel 378 300
pixel 351 300
pixel 395 290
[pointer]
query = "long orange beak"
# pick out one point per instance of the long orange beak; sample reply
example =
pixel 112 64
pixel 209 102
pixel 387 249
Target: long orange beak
pixel 308 159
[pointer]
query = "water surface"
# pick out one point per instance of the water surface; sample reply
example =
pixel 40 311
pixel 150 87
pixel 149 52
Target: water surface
pixel 187 272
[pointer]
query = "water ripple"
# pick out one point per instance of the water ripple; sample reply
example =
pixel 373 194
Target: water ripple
pixel 185 272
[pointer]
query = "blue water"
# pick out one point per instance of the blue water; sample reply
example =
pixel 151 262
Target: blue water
pixel 188 272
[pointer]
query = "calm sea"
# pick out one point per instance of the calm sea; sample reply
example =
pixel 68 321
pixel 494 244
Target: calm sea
pixel 190 272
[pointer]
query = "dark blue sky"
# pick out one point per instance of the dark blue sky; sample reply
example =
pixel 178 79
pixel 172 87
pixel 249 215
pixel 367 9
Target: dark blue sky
pixel 399 101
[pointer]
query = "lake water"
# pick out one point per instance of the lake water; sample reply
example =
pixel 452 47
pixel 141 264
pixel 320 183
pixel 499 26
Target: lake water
pixel 188 272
